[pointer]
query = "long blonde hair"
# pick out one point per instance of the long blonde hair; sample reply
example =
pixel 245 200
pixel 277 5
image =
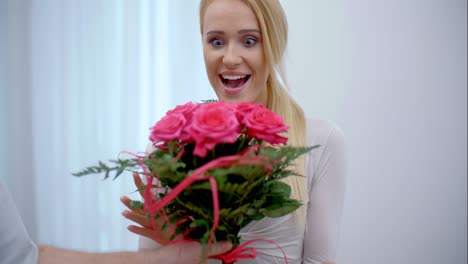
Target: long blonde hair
pixel 274 28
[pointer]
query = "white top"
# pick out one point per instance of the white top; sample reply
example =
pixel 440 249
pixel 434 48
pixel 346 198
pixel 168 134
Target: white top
pixel 325 171
pixel 16 247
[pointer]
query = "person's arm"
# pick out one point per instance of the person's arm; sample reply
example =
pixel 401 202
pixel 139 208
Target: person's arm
pixel 53 255
pixel 16 247
pixel 326 195
pixel 184 252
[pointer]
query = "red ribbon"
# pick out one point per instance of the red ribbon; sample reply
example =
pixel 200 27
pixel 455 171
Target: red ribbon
pixel 245 252
pixel 200 174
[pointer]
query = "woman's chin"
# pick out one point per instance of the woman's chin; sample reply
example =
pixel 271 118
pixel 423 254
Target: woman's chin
pixel 230 99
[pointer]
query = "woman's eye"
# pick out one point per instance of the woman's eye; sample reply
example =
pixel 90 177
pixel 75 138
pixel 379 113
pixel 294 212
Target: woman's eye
pixel 250 42
pixel 216 42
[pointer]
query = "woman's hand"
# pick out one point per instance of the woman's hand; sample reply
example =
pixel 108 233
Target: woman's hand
pixel 138 216
pixel 181 252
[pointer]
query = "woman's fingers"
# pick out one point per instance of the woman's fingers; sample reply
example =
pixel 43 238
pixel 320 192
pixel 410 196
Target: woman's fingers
pixel 139 183
pixel 159 234
pixel 161 237
pixel 127 202
pixel 148 234
pixel 140 231
pixel 139 215
pixel 152 229
pixel 141 220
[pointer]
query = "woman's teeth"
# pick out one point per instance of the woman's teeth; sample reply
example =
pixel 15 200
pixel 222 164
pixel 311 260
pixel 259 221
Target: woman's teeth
pixel 228 77
pixel 234 81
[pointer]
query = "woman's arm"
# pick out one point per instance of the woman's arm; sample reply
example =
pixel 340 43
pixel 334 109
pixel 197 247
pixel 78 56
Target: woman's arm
pixel 326 170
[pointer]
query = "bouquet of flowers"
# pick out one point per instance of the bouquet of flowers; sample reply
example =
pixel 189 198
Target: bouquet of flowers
pixel 216 167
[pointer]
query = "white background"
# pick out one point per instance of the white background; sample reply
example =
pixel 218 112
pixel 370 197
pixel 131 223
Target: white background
pixel 392 75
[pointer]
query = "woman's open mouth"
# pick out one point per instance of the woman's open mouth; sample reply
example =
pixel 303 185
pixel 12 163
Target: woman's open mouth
pixel 233 83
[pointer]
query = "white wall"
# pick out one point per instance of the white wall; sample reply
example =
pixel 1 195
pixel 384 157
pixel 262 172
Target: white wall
pixel 392 75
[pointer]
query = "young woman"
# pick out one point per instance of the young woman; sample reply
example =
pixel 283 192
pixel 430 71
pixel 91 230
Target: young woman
pixel 243 45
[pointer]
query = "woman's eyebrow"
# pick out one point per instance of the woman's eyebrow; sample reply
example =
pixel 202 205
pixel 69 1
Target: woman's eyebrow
pixel 242 31
pixel 215 32
pixel 248 31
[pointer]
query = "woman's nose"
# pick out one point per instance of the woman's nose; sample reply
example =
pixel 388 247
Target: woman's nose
pixel 232 57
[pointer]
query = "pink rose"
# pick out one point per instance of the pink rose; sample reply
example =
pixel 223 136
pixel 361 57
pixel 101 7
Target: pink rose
pixel 243 109
pixel 185 109
pixel 168 128
pixel 264 124
pixel 213 123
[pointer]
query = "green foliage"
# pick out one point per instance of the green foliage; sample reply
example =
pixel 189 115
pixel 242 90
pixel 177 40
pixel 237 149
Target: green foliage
pixel 209 101
pixel 119 168
pixel 246 192
pixel 136 204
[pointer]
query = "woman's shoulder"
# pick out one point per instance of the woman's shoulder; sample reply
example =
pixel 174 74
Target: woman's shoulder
pixel 324 132
pixel 329 159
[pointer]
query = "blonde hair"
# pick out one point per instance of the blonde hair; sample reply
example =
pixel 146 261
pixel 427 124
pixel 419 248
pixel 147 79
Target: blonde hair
pixel 274 28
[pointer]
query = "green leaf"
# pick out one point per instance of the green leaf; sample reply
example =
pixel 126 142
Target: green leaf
pixel 120 166
pixel 251 211
pixel 259 203
pixel 136 204
pixel 257 217
pixel 278 188
pixel 119 171
pixel 200 223
pixel 277 210
pixel 240 219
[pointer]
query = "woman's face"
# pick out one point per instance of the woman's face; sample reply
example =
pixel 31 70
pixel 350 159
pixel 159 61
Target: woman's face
pixel 233 52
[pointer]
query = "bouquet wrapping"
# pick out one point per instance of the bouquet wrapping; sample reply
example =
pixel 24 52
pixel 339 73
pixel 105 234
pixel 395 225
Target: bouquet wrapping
pixel 214 167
